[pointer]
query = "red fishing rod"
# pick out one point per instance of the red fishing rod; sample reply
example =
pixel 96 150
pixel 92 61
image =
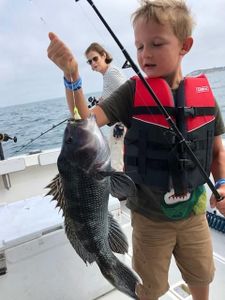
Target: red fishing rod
pixel 168 118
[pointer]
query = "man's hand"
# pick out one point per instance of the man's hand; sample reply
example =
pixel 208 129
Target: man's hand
pixel 118 130
pixel 61 55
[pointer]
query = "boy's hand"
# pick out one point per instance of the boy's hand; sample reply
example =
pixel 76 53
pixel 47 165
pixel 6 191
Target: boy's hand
pixel 61 55
pixel 220 205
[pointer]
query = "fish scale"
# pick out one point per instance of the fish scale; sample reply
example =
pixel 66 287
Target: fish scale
pixel 82 190
pixel 89 215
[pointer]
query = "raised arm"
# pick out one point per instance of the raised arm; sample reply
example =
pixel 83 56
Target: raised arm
pixel 62 56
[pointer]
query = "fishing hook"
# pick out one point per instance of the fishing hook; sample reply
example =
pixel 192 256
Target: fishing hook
pixel 169 120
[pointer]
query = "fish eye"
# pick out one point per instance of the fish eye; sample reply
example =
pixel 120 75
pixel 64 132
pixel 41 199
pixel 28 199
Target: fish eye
pixel 69 140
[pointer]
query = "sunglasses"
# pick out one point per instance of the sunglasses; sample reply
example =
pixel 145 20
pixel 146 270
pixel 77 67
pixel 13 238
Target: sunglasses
pixel 95 59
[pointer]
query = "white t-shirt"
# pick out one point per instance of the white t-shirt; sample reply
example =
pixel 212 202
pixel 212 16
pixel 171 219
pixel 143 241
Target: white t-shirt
pixel 112 79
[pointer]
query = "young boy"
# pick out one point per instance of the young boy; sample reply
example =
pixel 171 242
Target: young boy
pixel 167 214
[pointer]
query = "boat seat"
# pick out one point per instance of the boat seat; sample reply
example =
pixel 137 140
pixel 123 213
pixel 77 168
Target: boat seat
pixel 34 216
pixel 37 259
pixel 47 158
pixel 12 165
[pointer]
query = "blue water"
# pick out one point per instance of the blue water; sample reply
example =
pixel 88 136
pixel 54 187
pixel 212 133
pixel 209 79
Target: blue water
pixel 28 121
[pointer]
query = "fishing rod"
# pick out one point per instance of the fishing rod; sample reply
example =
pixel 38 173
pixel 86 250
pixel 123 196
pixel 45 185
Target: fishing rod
pixel 169 120
pixel 42 133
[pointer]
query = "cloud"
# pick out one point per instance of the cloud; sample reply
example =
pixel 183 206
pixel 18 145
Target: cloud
pixel 28 75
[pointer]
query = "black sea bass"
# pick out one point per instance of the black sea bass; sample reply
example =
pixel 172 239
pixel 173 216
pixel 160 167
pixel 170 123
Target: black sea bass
pixel 82 190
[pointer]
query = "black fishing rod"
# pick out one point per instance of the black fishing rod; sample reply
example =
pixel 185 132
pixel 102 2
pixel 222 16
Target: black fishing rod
pixel 42 133
pixel 169 120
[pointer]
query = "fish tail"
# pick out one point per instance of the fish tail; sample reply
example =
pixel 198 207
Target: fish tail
pixel 119 275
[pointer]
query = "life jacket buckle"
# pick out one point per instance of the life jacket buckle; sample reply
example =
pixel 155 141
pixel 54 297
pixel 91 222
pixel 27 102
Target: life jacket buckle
pixel 185 164
pixel 189 111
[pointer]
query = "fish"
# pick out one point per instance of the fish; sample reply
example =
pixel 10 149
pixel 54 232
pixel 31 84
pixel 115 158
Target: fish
pixel 82 189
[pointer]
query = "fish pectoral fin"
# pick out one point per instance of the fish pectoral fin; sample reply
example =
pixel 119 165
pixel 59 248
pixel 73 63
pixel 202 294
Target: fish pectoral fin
pixel 121 185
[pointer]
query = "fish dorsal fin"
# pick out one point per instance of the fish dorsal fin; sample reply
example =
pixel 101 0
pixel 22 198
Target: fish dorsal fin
pixel 121 185
pixel 56 191
pixel 117 239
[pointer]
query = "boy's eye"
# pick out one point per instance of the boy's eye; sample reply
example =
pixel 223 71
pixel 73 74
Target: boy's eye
pixel 139 48
pixel 157 44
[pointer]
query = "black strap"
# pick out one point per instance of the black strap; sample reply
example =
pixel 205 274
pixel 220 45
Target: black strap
pixel 152 110
pixel 178 154
pixel 172 111
pixel 149 163
pixel 196 111
pixel 142 148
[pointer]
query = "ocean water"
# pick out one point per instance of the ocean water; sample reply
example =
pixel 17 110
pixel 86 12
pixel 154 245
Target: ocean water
pixel 28 121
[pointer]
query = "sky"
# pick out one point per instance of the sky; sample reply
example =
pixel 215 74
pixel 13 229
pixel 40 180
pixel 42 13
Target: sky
pixel 26 73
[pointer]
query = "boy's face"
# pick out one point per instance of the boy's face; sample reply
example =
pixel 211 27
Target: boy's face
pixel 159 52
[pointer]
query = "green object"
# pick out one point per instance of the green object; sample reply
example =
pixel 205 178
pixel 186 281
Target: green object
pixel 182 210
pixel 200 206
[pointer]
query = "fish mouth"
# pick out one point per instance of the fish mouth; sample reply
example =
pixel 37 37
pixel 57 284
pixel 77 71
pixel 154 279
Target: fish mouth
pixel 84 144
pixel 73 121
pixel 90 117
pixel 84 123
pixel 80 129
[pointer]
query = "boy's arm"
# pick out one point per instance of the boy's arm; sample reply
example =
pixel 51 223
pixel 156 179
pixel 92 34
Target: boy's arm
pixel 218 172
pixel 61 55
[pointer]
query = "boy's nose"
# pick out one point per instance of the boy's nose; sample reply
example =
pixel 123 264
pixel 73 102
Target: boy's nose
pixel 147 53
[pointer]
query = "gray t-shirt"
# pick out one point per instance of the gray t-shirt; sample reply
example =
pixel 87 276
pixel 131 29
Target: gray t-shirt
pixel 118 107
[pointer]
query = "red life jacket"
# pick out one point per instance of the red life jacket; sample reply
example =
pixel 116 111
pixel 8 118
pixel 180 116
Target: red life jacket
pixel 153 154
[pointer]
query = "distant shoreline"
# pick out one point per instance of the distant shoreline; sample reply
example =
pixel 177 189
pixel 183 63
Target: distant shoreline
pixel 205 71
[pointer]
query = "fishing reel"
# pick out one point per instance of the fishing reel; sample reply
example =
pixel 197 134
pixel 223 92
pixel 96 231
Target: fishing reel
pixel 93 101
pixel 4 137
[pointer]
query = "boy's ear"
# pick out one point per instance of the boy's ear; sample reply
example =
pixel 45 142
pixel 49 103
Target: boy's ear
pixel 187 44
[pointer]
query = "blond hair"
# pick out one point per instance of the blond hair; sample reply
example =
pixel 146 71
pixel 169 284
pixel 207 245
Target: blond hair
pixel 172 12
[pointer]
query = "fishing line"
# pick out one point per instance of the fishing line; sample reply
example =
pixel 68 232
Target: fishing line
pixel 169 120
pixel 92 24
pixel 44 22
pixel 42 133
pixel 41 17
